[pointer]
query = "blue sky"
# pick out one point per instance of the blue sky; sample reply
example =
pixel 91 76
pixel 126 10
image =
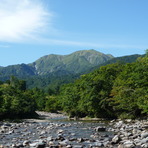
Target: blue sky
pixel 30 29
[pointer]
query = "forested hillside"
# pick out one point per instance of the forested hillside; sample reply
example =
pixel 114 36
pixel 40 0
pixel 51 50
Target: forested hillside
pixel 113 91
pixel 123 60
pixel 52 71
pixel 74 63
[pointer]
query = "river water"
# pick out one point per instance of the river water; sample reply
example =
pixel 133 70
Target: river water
pixel 57 131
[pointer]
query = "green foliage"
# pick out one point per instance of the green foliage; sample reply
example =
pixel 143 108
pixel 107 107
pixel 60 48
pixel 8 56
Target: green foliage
pixel 56 65
pixel 114 90
pixel 69 98
pixel 40 98
pixel 88 95
pixel 15 101
pixel 76 62
pixel 52 104
pixel 130 89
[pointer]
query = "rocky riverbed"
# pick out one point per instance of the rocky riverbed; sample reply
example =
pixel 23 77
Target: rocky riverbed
pixel 52 131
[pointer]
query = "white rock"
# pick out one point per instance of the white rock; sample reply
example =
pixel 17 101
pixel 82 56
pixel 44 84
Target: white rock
pixel 144 135
pixel 116 139
pixel 128 144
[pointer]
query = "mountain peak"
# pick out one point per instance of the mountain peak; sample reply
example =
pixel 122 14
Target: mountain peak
pixel 77 62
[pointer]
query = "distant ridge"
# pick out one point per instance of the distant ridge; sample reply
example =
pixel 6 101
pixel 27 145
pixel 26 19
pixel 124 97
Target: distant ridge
pixel 77 62
pixel 123 59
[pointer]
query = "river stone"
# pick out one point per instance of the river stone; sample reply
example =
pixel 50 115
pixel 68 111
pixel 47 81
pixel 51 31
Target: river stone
pixel 144 145
pixel 13 145
pixel 69 146
pixel 3 127
pixel 100 129
pixel 144 135
pixel 60 131
pixel 128 120
pixel 26 142
pixel 60 137
pixel 63 143
pixel 145 140
pixel 105 143
pixel 10 132
pixel 115 139
pixel 80 140
pixel 77 146
pixel 54 146
pixel 41 145
pixel 7 124
pixel 43 132
pixel 120 146
pixel 128 144
pixel 33 144
pixel 98 144
pixel 49 138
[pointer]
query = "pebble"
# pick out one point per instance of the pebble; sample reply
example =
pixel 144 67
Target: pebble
pixel 118 134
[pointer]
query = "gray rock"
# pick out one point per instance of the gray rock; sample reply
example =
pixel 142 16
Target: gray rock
pixel 60 131
pixel 49 138
pixel 105 143
pixel 64 143
pixel 144 135
pixel 128 120
pixel 69 146
pixel 120 146
pixel 128 144
pixel 33 144
pixel 26 143
pixel 19 145
pixel 145 140
pixel 80 140
pixel 98 144
pixel 77 146
pixel 41 145
pixel 100 129
pixel 144 145
pixel 43 132
pixel 54 146
pixel 116 139
pixel 10 132
pixel 13 145
pixel 7 124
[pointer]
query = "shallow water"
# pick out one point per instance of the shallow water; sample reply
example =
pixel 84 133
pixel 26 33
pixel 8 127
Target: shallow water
pixel 71 130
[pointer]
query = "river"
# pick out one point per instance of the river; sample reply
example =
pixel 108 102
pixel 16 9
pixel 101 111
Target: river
pixel 55 131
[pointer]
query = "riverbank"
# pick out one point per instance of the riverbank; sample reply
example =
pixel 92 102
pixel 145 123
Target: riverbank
pixel 46 116
pixel 52 133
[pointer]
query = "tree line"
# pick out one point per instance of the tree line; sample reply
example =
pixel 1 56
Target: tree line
pixel 113 91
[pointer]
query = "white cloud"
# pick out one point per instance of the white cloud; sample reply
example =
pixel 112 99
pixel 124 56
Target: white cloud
pixel 23 19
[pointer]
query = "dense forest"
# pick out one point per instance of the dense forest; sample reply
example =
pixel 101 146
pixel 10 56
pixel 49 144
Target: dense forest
pixel 116 90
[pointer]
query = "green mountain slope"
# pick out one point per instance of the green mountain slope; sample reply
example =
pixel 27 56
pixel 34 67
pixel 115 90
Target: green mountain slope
pixel 77 62
pixel 123 59
pixel 20 70
pixel 51 71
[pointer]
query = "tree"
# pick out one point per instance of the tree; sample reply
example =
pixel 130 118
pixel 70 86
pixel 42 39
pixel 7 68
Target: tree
pixel 15 101
pixel 130 90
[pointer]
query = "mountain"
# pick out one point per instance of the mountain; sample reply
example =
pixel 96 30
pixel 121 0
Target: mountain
pixel 77 62
pixel 123 59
